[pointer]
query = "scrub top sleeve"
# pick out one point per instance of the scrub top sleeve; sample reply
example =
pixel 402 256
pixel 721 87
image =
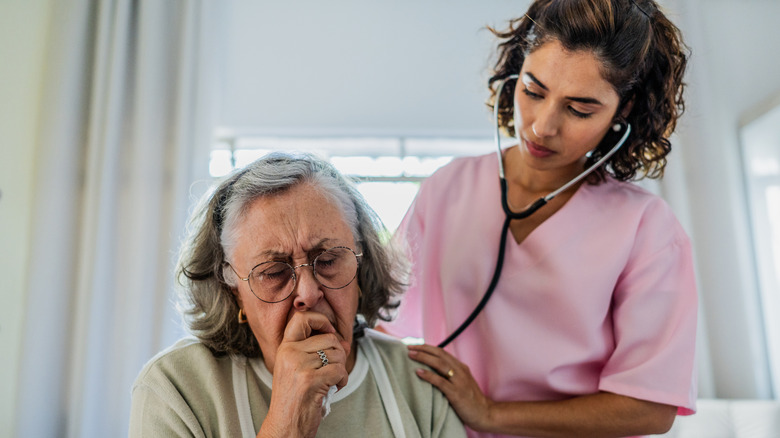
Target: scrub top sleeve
pixel 654 319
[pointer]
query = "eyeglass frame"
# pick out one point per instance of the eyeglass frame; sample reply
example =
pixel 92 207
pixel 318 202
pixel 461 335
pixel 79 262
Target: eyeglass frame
pixel 295 275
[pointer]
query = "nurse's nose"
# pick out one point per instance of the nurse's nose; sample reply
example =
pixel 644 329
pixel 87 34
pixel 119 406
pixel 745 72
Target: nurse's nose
pixel 546 123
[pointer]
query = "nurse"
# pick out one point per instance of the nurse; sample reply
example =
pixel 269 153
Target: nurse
pixel 591 329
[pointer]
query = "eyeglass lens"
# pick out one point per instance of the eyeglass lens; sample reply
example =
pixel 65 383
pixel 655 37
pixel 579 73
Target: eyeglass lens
pixel 274 281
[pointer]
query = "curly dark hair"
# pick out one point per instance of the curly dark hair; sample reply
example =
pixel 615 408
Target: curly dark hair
pixel 207 301
pixel 642 55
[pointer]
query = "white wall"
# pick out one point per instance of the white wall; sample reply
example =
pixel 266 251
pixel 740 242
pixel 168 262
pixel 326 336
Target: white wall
pixel 734 68
pixel 23 25
pixel 313 66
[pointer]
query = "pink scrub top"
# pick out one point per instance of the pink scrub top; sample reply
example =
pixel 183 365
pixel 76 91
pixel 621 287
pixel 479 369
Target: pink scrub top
pixel 600 297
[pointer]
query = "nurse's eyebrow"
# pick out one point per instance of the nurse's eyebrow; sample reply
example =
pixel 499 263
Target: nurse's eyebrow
pixel 536 81
pixel 586 100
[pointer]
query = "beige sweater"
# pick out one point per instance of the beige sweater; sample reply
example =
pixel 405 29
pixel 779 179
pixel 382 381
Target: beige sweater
pixel 186 391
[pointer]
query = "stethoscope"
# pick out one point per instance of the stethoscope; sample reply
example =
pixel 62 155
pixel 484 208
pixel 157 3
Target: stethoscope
pixel 528 211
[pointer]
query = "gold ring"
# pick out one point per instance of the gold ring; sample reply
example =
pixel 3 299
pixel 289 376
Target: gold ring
pixel 450 373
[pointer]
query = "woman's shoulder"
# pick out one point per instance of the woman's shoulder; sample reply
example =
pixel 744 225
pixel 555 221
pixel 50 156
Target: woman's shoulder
pixel 387 344
pixel 177 389
pixel 400 367
pixel 625 191
pixel 635 208
pixel 393 350
pixel 458 179
pixel 187 360
pixel 461 167
pixel 629 197
pixel 427 405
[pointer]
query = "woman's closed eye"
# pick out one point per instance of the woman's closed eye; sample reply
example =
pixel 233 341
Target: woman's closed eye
pixel 326 261
pixel 531 94
pixel 275 275
pixel 580 114
pixel 276 271
pixel 572 110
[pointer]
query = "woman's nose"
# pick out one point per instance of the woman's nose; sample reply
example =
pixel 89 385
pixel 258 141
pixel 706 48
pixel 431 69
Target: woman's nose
pixel 546 122
pixel 307 291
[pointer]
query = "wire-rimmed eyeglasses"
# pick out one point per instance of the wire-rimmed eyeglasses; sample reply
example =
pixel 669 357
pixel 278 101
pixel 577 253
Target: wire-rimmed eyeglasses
pixel 274 281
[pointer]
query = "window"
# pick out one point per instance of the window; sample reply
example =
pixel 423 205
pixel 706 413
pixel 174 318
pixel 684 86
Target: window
pixel 761 161
pixel 388 170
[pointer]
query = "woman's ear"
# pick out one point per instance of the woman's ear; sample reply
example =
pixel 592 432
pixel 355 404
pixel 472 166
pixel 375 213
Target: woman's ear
pixel 627 108
pixel 228 277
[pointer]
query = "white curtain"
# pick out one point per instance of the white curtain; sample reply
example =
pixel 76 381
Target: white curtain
pixel 125 131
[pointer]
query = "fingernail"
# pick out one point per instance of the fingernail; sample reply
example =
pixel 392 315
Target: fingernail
pixel 420 372
pixel 412 353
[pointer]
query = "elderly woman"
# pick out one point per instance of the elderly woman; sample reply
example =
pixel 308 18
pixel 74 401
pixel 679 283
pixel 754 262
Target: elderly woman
pixel 283 270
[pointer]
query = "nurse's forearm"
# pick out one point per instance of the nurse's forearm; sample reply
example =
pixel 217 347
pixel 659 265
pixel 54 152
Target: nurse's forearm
pixel 598 415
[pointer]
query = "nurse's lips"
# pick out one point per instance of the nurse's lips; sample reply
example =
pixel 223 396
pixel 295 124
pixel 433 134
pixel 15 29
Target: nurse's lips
pixel 537 150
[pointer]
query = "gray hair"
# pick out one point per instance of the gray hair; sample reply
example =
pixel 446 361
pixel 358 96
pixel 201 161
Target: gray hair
pixel 207 302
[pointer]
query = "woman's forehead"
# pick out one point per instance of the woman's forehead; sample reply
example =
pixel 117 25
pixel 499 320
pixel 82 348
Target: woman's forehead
pixel 574 72
pixel 295 221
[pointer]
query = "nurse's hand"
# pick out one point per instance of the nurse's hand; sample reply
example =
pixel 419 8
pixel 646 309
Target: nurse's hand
pixel 602 414
pixel 454 379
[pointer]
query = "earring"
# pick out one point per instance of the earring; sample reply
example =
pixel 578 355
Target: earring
pixel 616 127
pixel 241 317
